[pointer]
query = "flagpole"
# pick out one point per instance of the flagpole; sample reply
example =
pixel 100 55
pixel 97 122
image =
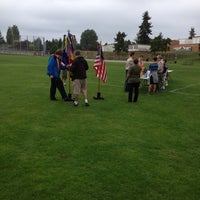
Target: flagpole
pixel 69 86
pixel 99 97
pixel 70 46
pixel 67 43
pixel 66 62
pixel 99 86
pixel 69 81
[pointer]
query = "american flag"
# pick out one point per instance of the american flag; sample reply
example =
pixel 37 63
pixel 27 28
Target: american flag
pixel 100 65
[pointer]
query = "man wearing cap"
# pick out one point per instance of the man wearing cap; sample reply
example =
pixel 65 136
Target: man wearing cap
pixel 53 71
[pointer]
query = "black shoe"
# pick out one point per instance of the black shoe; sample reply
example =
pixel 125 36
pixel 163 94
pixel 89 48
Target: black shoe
pixel 87 104
pixel 54 99
pixel 65 99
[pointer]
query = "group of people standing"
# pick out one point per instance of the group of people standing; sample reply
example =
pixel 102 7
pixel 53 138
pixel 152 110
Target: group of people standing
pixel 77 69
pixel 135 68
pixel 158 72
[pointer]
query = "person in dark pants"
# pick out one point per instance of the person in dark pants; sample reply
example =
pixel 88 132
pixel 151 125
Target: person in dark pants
pixel 129 63
pixel 53 71
pixel 133 79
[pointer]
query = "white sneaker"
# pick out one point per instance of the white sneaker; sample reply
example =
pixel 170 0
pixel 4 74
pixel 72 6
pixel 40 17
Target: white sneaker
pixel 75 103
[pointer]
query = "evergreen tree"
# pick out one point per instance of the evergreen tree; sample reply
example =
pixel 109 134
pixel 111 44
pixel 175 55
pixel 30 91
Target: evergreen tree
pixel 38 44
pixel 120 42
pixel 191 33
pixel 89 40
pixel 144 30
pixel 48 46
pixel 9 36
pixel 13 35
pixel 55 44
pixel 126 45
pixel 16 34
pixel 2 41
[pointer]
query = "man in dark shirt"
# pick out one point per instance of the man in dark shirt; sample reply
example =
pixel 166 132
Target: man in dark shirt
pixel 78 69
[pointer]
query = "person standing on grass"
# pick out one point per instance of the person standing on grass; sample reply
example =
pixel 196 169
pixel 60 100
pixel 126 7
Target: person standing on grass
pixel 129 63
pixel 160 70
pixel 164 74
pixel 53 71
pixel 141 63
pixel 153 76
pixel 79 77
pixel 65 60
pixel 133 80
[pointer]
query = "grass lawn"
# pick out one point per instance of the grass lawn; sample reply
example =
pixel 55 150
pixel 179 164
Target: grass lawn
pixel 112 150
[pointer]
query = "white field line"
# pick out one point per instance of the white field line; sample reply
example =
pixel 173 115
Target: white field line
pixel 178 90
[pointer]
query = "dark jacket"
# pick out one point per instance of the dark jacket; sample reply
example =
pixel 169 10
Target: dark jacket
pixel 79 68
pixel 134 74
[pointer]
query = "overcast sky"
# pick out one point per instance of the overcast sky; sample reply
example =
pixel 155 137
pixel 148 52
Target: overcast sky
pixel 52 18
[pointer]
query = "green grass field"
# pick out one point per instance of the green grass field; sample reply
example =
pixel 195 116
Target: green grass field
pixel 112 150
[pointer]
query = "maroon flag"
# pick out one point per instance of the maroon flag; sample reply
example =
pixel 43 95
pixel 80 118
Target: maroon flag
pixel 100 65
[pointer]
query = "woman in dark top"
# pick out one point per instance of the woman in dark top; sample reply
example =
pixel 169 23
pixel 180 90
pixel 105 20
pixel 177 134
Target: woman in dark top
pixel 133 79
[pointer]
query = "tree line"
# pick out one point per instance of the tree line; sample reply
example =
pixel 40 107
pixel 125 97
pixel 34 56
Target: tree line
pixel 89 39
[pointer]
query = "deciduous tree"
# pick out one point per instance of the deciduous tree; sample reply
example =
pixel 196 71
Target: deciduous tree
pixel 89 40
pixel 159 43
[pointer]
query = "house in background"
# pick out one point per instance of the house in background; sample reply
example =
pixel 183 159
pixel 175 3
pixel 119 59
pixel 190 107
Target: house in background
pixel 133 47
pixel 182 45
pixel 139 47
pixel 108 47
pixel 186 45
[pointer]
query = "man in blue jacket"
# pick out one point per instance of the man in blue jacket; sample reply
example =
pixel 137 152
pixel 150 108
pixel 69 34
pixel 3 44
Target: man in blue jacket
pixel 53 71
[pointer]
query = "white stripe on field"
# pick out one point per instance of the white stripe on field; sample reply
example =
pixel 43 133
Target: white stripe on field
pixel 177 91
pixel 184 93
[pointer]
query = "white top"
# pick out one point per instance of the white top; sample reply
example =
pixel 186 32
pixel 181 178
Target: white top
pixel 129 63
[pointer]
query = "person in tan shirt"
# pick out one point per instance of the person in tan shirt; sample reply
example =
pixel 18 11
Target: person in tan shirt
pixel 129 63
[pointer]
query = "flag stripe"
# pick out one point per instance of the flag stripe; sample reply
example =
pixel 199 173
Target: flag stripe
pixel 100 66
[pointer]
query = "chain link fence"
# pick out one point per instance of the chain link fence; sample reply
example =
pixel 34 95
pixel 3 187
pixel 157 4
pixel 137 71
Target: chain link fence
pixel 26 45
